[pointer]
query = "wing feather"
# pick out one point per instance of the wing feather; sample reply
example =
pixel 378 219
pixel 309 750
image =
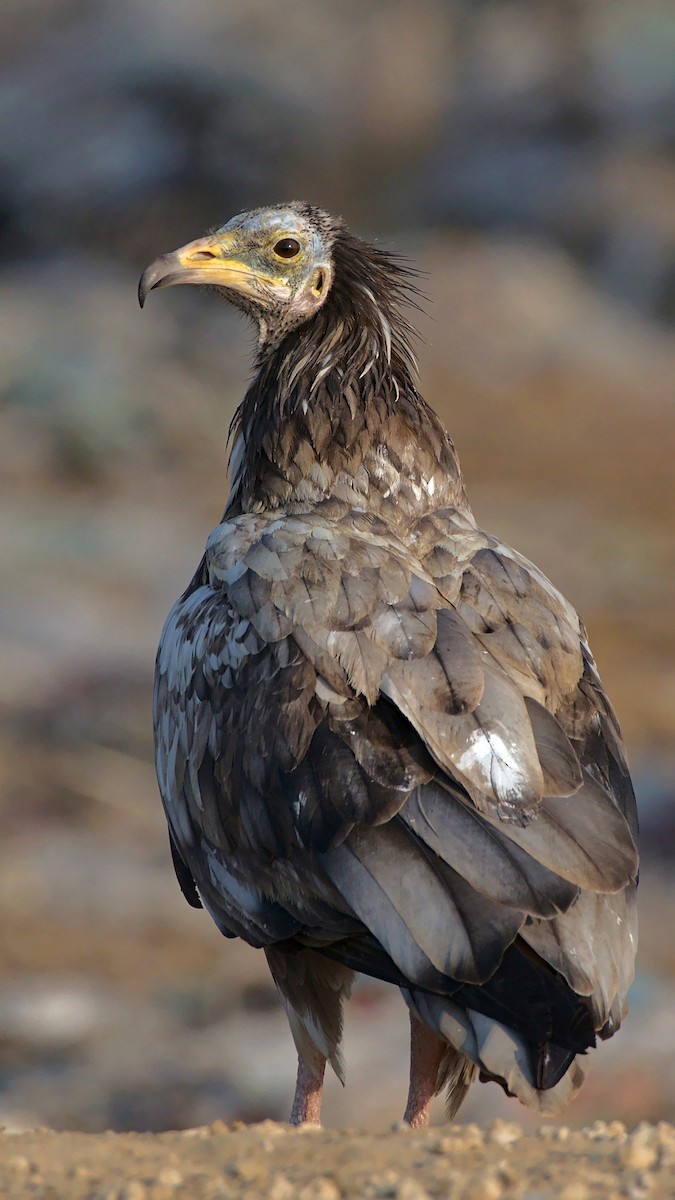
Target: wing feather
pixel 420 910
pixel 400 753
pixel 493 864
pixel 593 946
pixel 489 749
pixel 584 838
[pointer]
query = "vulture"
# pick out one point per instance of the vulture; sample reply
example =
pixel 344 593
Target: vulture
pixel 382 744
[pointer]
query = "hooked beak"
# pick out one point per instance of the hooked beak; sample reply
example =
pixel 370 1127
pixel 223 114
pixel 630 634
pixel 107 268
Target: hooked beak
pixel 209 260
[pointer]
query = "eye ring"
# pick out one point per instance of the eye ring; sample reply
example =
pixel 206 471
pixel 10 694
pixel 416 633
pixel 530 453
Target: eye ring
pixel 287 247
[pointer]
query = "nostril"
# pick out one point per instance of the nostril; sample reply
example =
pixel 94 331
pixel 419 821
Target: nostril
pixel 202 255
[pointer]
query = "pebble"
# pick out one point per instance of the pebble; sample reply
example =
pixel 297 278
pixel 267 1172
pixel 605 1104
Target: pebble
pixel 281 1189
pixel 548 1132
pixel 467 1137
pixel 170 1177
pixel 639 1152
pixel 133 1190
pixel 273 1129
pixel 384 1184
pixel 18 1163
pixel 443 1145
pixel 665 1138
pixel 485 1186
pixel 320 1189
pixel 553 1133
pixel 461 1139
pixel 249 1169
pixel 410 1189
pixel 573 1191
pixel 601 1131
pixel 665 1133
pixel 217 1190
pixel 80 1172
pixel 503 1133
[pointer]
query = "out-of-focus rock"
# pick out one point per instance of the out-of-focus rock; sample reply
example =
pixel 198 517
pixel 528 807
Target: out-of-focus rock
pixel 50 1016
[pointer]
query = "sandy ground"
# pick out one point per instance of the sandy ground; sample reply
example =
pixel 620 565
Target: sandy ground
pixel 273 1161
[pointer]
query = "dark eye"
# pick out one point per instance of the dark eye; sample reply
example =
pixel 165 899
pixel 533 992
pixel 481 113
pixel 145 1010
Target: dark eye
pixel 287 248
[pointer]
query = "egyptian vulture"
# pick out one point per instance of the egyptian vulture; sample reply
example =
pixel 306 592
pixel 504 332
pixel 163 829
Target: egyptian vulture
pixel 382 743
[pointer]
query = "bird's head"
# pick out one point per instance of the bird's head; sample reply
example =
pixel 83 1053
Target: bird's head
pixel 274 263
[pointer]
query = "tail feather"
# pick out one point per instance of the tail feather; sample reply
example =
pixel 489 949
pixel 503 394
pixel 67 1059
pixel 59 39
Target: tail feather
pixel 546 1084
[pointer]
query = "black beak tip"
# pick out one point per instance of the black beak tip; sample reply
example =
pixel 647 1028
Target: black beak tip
pixel 152 277
pixel 144 286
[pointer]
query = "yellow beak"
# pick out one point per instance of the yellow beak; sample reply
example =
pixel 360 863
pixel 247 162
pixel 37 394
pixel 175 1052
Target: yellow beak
pixel 210 260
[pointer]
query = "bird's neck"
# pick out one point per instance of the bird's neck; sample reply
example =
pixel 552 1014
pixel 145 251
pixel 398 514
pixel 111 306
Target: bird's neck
pixel 333 418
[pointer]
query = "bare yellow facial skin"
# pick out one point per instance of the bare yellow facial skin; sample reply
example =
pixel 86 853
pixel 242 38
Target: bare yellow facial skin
pixel 215 260
pixel 271 263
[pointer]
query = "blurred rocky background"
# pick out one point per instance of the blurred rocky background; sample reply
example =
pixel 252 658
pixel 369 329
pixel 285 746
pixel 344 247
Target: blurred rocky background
pixel 521 151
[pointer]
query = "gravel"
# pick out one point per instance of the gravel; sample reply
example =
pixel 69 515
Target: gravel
pixel 463 1162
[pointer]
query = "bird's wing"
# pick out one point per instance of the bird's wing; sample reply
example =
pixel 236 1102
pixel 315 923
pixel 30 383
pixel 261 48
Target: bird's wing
pixel 354 734
pixel 231 709
pixel 587 836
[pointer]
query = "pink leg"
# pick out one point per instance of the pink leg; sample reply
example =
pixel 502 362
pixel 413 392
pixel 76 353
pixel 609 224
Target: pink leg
pixel 426 1053
pixel 306 1108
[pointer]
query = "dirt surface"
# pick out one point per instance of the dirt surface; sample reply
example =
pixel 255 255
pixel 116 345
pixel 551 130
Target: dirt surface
pixel 218 1162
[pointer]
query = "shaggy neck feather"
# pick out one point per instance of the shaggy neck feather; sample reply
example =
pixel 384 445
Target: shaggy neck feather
pixel 333 411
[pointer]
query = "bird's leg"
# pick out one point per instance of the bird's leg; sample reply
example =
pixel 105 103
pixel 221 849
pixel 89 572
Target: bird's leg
pixel 306 1108
pixel 426 1055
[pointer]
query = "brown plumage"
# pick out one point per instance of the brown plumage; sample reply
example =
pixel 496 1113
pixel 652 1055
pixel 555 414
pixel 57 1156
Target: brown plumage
pixel 382 743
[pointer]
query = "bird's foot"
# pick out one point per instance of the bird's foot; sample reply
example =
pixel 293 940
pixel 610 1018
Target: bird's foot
pixel 306 1108
pixel 426 1055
